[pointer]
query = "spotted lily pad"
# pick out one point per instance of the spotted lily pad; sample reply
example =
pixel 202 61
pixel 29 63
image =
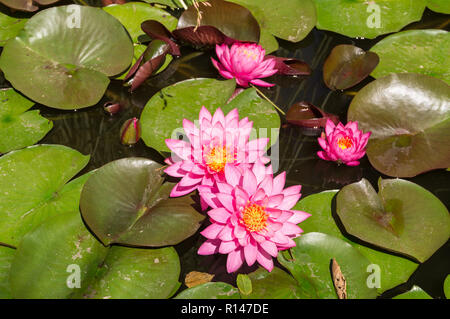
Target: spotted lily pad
pixel 126 201
pixel 210 290
pixel 18 128
pixel 163 115
pixel 409 117
pixel 368 19
pixel 394 219
pixel 414 51
pixel 309 262
pixel 393 270
pixel 33 187
pixel 67 54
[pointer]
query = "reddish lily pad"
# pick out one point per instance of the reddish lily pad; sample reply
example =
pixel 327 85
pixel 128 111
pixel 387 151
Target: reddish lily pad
pixel 126 201
pixel 290 66
pixel 306 115
pixel 347 65
pixel 409 117
pixel 26 5
pixel 403 217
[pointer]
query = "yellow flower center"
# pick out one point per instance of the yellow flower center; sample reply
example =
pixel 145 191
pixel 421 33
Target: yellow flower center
pixel 254 218
pixel 249 54
pixel 217 158
pixel 344 143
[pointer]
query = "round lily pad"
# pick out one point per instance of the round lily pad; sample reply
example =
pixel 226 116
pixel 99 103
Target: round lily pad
pixel 18 128
pixel 6 258
pixel 290 20
pixel 210 290
pixel 415 293
pixel 26 5
pixel 163 115
pixel 414 51
pixel 50 258
pixel 393 270
pixel 368 19
pixel 10 27
pixel 442 6
pixel 403 217
pixel 132 14
pixel 33 187
pixel 409 117
pixel 447 287
pixel 67 54
pixel 126 201
pixel 310 265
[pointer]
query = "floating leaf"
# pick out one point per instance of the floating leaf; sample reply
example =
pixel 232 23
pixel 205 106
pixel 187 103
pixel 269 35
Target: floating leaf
pixel 26 5
pixel 10 26
pixel 132 14
pixel 6 258
pixel 340 284
pixel 268 41
pixel 347 65
pixel 367 19
pixel 447 287
pixel 68 68
pixel 409 117
pixel 49 254
pixel 163 115
pixel 394 270
pixel 442 6
pixel 210 290
pixel 394 218
pixel 133 273
pixel 244 284
pixel 195 278
pixel 125 201
pixel 276 284
pixel 415 293
pixel 306 115
pixel 18 128
pixel 290 20
pixel 158 31
pixel 33 187
pixel 290 66
pixel 310 266
pixel 414 51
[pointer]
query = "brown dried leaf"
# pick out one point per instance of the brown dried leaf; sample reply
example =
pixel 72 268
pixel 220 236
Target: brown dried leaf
pixel 340 284
pixel 195 278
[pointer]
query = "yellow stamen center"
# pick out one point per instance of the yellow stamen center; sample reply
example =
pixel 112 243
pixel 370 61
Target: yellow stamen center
pixel 249 54
pixel 254 218
pixel 344 143
pixel 217 158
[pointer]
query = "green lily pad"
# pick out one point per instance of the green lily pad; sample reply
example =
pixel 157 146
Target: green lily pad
pixel 18 128
pixel 310 265
pixel 447 287
pixel 415 293
pixel 409 117
pixel 268 41
pixel 210 290
pixel 368 19
pixel 394 270
pixel 6 258
pixel 394 219
pixel 125 201
pixel 50 257
pixel 244 284
pixel 33 187
pixel 10 26
pixel 442 6
pixel 133 273
pixel 290 20
pixel 163 115
pixel 414 51
pixel 67 54
pixel 276 284
pixel 132 14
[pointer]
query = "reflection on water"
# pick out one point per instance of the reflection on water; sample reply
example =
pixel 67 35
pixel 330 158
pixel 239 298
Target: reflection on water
pixel 92 131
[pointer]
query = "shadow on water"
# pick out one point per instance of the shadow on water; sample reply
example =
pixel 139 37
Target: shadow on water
pixel 92 131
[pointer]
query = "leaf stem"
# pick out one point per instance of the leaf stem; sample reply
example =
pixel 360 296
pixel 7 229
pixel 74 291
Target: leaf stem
pixel 268 100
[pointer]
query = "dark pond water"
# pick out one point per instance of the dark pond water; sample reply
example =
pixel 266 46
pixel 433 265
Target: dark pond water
pixel 92 131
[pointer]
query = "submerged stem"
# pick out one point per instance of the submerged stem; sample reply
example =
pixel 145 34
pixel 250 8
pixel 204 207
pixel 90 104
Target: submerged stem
pixel 268 100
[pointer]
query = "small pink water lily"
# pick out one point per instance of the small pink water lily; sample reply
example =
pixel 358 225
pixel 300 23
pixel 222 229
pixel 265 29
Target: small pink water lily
pixel 218 142
pixel 343 144
pixel 245 62
pixel 252 217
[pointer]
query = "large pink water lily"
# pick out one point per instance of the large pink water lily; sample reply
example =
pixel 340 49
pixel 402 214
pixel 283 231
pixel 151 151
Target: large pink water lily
pixel 218 141
pixel 251 216
pixel 245 62
pixel 343 144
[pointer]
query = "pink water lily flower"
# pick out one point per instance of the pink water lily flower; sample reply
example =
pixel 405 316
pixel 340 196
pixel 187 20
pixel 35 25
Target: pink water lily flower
pixel 343 144
pixel 245 62
pixel 217 142
pixel 251 216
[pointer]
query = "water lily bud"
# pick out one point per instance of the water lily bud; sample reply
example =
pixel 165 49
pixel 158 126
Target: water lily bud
pixel 130 132
pixel 111 108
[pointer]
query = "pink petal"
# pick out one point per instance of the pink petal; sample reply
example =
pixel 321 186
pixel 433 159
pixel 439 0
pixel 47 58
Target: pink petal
pixel 209 247
pixel 278 183
pixel 262 83
pixel 212 231
pixel 291 229
pixel 250 252
pixel 174 170
pixel 235 260
pixel 298 216
pixel 226 200
pixel 270 248
pixel 220 215
pixel 249 182
pixel 265 260
pixel 228 246
pixel 232 175
pixel 289 201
